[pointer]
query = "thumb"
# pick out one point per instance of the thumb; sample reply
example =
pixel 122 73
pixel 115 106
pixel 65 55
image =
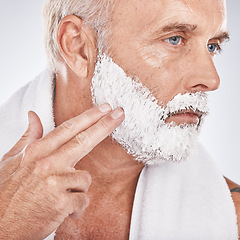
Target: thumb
pixel 34 132
pixel 35 128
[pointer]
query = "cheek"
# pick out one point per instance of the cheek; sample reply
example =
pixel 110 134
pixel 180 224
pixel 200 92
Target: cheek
pixel 160 71
pixel 158 56
pixel 166 69
pixel 164 72
pixel 152 56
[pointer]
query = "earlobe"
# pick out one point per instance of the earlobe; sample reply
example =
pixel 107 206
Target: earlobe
pixel 73 45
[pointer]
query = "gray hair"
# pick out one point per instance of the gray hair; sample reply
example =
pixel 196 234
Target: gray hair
pixel 92 12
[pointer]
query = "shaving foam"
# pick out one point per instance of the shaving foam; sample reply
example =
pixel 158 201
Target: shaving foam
pixel 144 133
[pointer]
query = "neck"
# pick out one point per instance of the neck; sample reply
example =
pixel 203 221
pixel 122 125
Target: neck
pixel 110 166
pixel 108 163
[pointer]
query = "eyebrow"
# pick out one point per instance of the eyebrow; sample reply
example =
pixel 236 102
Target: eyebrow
pixel 225 36
pixel 178 26
pixel 185 27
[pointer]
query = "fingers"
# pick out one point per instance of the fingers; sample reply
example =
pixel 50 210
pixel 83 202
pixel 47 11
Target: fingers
pixel 34 132
pixel 71 152
pixel 72 187
pixel 75 181
pixel 80 202
pixel 75 185
pixel 71 128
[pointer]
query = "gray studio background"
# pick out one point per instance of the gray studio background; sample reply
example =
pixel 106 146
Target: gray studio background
pixel 22 57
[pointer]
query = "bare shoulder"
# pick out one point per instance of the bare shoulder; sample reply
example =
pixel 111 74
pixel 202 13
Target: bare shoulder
pixel 235 192
pixel 233 187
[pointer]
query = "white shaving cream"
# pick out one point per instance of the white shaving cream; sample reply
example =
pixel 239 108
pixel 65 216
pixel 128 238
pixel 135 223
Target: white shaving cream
pixel 144 133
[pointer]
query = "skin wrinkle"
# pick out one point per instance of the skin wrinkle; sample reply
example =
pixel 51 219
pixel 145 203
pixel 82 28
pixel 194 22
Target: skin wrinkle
pixel 152 57
pixel 186 2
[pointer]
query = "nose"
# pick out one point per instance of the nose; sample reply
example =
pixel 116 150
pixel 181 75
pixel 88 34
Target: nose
pixel 201 73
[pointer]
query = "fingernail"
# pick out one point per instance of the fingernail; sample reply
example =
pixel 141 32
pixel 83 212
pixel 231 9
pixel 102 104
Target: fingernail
pixel 117 113
pixel 105 108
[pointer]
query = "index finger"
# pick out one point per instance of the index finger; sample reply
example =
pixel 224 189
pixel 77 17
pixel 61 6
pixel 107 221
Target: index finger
pixel 78 147
pixel 69 129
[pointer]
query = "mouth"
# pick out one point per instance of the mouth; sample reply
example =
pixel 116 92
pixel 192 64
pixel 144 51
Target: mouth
pixel 187 116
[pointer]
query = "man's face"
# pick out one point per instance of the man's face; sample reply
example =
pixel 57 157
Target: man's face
pixel 162 64
pixel 169 45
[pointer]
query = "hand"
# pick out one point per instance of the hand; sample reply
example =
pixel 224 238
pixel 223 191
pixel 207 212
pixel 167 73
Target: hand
pixel 39 186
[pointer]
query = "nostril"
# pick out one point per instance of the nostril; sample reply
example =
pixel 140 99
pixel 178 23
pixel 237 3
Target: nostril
pixel 200 87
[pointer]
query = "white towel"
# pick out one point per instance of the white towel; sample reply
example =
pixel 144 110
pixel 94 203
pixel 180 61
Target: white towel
pixel 183 201
pixel 173 201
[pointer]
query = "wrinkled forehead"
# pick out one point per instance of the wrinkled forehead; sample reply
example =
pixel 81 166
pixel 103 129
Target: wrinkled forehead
pixel 140 15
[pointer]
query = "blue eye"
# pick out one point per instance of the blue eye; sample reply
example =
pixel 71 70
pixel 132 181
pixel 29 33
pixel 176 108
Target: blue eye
pixel 174 40
pixel 213 48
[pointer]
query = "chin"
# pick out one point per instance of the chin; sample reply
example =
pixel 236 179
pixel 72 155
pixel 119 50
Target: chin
pixel 170 144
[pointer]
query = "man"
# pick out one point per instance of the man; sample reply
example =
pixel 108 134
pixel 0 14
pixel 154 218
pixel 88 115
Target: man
pixel 152 62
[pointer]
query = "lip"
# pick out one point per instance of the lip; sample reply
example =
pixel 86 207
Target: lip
pixel 185 117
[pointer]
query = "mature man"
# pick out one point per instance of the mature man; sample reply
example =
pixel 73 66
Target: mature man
pixel 110 152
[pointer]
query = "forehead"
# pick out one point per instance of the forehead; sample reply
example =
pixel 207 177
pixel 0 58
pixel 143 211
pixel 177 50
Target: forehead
pixel 142 15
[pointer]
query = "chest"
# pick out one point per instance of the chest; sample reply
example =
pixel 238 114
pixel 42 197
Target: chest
pixel 97 224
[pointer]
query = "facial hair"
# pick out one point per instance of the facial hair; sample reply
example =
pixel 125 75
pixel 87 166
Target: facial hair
pixel 144 133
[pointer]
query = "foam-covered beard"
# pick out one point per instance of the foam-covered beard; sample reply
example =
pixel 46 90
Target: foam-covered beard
pixel 144 133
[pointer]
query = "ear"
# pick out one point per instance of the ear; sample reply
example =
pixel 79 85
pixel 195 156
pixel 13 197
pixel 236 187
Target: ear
pixel 76 44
